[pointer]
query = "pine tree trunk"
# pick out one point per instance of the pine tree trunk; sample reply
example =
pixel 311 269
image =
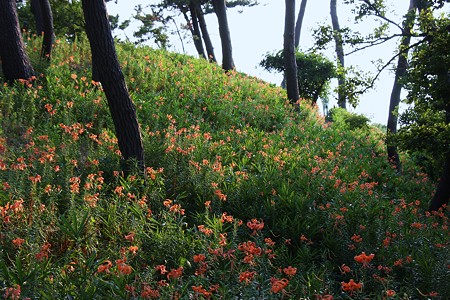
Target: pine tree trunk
pixel 104 58
pixel 400 71
pixel 227 52
pixel 339 53
pixel 198 47
pixel 290 63
pixel 196 35
pixel 15 61
pixel 298 25
pixel 206 38
pixel 47 20
pixel 36 10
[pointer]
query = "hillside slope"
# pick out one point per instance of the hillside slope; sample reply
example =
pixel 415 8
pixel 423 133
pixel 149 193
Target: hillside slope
pixel 241 190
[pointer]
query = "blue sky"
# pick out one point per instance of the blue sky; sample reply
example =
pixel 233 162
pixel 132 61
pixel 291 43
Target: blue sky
pixel 258 30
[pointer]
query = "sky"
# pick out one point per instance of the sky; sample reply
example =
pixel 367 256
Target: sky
pixel 258 30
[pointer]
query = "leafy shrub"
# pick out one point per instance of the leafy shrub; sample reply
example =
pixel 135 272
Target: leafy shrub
pixel 348 120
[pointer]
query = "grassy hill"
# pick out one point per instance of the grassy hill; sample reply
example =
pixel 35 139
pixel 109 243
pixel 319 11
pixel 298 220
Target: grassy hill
pixel 245 198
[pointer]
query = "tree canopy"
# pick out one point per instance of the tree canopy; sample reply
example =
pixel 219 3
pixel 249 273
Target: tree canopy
pixel 425 124
pixel 314 73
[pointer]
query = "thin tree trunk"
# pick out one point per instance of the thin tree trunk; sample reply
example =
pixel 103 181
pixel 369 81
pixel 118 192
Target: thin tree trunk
pixel 198 47
pixel 196 35
pixel 402 65
pixel 206 38
pixel 298 31
pixel 317 93
pixel 105 60
pixel 298 25
pixel 35 6
pixel 227 52
pixel 15 61
pixel 290 63
pixel 47 20
pixel 339 52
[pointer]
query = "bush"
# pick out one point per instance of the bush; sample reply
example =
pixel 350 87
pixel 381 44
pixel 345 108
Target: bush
pixel 348 120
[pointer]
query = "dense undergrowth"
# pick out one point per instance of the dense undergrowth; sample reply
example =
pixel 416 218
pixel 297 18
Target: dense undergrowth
pixel 245 198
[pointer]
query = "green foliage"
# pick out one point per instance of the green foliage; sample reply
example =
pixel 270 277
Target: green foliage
pixel 323 36
pixel 150 28
pixel 244 197
pixel 381 127
pixel 208 7
pixel 26 18
pixel 356 83
pixel 347 120
pixel 368 8
pixel 425 127
pixel 68 20
pixel 154 18
pixel 234 3
pixel 314 72
pixel 114 21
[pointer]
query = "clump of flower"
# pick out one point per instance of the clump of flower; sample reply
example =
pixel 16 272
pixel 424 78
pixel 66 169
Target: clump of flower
pixel 364 259
pixel 351 286
pixel 255 225
pixel 278 285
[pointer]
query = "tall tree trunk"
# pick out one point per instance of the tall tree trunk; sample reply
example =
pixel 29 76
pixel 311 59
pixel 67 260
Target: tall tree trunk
pixel 227 52
pixel 400 71
pixel 442 194
pixel 47 20
pixel 339 53
pixel 298 31
pixel 35 6
pixel 298 25
pixel 104 58
pixel 196 35
pixel 206 38
pixel 198 46
pixel 290 63
pixel 15 61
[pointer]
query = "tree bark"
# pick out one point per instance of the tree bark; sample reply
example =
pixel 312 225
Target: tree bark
pixel 339 52
pixel 36 10
pixel 298 31
pixel 290 63
pixel 205 34
pixel 196 35
pixel 400 71
pixel 104 58
pixel 198 46
pixel 227 52
pixel 298 25
pixel 15 61
pixel 47 20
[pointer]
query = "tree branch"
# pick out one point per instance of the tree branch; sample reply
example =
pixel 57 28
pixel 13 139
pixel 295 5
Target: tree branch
pixel 380 15
pixel 372 83
pixel 374 43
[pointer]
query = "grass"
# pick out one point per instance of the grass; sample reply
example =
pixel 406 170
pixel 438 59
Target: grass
pixel 245 198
